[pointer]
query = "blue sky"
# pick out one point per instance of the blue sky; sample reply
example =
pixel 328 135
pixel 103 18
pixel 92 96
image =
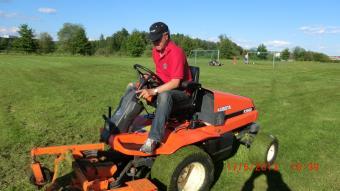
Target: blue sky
pixel 313 25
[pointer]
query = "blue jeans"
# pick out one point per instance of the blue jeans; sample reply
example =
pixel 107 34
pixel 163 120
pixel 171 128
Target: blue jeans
pixel 166 103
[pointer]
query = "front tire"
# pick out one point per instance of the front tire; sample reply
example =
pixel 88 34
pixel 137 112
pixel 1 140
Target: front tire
pixel 188 169
pixel 264 149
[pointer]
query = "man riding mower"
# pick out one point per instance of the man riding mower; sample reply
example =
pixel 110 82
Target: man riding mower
pixel 193 129
pixel 206 130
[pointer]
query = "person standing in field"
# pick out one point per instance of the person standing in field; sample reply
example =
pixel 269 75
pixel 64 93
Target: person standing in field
pixel 246 58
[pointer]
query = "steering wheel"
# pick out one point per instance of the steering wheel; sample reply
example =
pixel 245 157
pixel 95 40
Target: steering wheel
pixel 147 77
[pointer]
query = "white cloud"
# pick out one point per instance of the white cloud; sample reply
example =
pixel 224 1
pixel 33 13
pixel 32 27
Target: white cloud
pixel 272 45
pixel 7 15
pixel 14 15
pixel 277 43
pixel 93 39
pixel 8 31
pixel 47 10
pixel 333 30
pixel 244 43
pixel 318 30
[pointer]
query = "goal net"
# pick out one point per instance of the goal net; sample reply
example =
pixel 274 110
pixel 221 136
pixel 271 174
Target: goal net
pixel 255 56
pixel 198 56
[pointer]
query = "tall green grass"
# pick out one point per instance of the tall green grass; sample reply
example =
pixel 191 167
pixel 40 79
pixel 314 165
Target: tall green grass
pixel 47 100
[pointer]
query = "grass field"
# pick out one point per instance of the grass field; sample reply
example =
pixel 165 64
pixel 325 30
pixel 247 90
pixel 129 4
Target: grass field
pixel 59 100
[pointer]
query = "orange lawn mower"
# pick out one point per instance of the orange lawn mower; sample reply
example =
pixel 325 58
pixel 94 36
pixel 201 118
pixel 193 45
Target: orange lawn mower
pixel 199 134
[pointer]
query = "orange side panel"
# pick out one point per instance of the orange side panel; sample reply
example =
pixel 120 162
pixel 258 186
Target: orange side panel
pixel 129 144
pixel 232 102
pixel 238 121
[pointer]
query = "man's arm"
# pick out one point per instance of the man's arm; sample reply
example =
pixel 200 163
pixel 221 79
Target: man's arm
pixel 172 84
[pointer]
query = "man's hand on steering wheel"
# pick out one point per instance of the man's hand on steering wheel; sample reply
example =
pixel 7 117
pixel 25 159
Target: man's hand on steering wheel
pixel 149 81
pixel 147 78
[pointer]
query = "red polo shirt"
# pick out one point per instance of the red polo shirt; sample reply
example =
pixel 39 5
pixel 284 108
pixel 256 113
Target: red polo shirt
pixel 172 63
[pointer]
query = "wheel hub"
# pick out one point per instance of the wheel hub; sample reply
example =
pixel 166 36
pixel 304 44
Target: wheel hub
pixel 191 177
pixel 271 153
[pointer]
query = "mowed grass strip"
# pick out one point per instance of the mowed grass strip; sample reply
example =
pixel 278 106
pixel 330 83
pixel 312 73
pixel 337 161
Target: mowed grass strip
pixel 51 100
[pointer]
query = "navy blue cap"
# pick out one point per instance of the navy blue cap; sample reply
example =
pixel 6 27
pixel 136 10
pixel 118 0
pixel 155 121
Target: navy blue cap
pixel 156 31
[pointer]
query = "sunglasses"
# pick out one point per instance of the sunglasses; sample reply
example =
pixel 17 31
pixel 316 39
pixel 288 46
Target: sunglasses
pixel 156 42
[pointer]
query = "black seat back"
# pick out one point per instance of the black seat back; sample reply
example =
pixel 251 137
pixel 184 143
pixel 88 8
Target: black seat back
pixel 195 73
pixel 188 107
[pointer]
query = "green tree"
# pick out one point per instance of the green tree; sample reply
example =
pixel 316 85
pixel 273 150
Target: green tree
pixel 46 44
pixel 102 42
pixel 135 44
pixel 26 40
pixel 321 57
pixel 81 43
pixel 185 42
pixel 263 52
pixel 118 40
pixel 299 53
pixel 73 40
pixel 100 47
pixel 4 43
pixel 285 54
pixel 308 56
pixel 227 48
pixel 188 44
pixel 148 50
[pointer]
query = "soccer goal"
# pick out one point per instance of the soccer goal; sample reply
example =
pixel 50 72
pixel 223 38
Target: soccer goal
pixel 213 55
pixel 253 56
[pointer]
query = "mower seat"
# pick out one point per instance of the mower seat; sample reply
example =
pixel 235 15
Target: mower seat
pixel 190 86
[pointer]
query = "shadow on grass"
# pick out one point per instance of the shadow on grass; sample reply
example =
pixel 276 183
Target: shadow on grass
pixel 274 181
pixel 218 170
pixel 219 165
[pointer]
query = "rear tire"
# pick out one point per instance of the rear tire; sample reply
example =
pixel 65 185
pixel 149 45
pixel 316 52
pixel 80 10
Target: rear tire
pixel 264 149
pixel 188 169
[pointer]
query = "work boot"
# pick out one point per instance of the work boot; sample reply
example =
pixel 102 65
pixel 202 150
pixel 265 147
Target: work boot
pixel 149 146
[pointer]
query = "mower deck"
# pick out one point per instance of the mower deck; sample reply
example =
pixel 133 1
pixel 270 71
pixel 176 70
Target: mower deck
pixel 89 173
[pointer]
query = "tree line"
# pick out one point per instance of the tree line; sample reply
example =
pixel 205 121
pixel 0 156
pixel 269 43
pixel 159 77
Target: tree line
pixel 72 40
